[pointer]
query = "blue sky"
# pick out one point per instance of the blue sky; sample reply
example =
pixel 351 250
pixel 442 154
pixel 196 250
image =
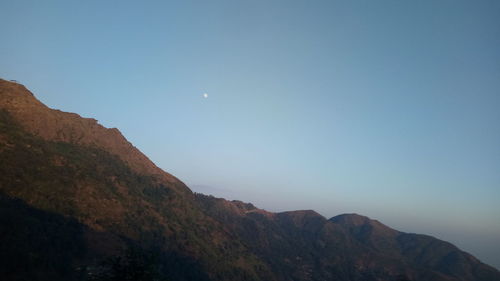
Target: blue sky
pixel 385 108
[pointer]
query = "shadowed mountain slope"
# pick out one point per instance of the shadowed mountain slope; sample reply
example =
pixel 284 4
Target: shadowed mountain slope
pixel 79 194
pixel 120 206
pixel 303 245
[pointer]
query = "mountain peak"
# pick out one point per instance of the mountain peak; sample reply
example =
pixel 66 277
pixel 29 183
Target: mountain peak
pixel 56 125
pixel 352 219
pixel 301 213
pixel 356 222
pixel 301 218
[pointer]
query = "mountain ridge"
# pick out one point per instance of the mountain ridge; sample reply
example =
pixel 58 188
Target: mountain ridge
pixel 63 165
pixel 57 125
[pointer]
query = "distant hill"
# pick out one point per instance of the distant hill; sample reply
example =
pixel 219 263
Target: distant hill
pixel 79 202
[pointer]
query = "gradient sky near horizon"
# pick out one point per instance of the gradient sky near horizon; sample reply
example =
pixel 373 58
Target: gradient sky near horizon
pixel 390 109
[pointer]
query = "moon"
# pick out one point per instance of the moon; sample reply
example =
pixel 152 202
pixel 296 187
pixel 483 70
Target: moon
pixel 205 95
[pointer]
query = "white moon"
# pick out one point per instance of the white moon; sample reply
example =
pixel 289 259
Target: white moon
pixel 205 95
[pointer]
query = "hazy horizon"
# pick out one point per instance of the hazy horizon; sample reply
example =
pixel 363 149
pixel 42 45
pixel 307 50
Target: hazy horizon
pixel 388 109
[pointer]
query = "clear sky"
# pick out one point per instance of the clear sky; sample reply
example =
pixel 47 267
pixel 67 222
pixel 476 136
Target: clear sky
pixel 390 109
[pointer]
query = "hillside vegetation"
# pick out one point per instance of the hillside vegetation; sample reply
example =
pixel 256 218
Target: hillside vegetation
pixel 79 202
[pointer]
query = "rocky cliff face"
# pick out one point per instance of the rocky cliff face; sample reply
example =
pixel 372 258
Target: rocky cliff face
pixel 74 194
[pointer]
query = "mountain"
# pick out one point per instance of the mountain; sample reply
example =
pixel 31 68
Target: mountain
pixel 79 202
pixel 303 245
